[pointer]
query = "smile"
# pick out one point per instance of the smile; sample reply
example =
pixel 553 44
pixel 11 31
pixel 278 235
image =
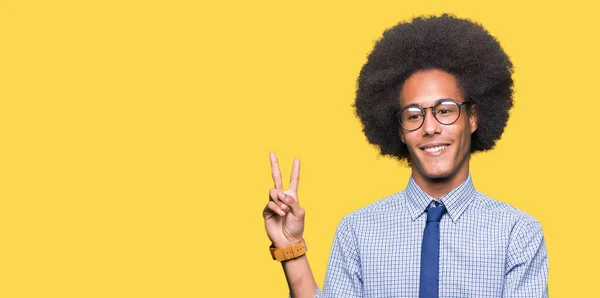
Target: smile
pixel 435 149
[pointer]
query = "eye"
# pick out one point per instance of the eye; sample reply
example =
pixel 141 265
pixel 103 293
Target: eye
pixel 446 109
pixel 413 116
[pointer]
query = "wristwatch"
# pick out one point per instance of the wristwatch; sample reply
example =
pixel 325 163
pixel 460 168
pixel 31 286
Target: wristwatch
pixel 289 252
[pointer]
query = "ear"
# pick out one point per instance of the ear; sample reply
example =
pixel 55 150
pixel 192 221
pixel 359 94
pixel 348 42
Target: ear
pixel 473 118
pixel 401 133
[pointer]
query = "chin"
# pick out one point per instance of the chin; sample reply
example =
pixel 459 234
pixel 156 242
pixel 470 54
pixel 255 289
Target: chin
pixel 435 172
pixel 438 175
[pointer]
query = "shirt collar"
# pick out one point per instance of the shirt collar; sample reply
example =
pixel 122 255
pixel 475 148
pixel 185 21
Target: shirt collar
pixel 456 201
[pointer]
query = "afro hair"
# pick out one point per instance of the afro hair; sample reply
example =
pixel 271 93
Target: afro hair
pixel 460 47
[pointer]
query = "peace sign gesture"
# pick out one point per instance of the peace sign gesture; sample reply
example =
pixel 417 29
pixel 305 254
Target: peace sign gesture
pixel 284 218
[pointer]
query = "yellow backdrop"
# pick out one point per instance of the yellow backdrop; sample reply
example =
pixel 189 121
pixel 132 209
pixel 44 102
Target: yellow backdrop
pixel 135 137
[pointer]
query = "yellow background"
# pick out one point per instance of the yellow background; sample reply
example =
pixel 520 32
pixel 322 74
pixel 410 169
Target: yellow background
pixel 134 138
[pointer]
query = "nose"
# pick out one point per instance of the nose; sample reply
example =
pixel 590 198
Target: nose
pixel 430 124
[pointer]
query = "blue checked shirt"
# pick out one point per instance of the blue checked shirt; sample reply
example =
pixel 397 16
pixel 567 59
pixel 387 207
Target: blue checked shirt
pixel 487 248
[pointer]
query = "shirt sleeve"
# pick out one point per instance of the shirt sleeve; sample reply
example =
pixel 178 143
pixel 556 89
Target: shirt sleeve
pixel 526 272
pixel 344 275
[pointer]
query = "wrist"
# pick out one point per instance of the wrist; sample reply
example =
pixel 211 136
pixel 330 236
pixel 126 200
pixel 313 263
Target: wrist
pixel 289 252
pixel 285 242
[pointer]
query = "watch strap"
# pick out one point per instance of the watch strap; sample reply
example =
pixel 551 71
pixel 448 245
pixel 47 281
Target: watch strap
pixel 289 252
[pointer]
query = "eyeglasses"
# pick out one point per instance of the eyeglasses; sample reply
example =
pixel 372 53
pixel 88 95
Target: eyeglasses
pixel 445 112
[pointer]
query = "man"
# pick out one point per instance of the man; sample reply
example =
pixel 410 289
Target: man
pixel 433 91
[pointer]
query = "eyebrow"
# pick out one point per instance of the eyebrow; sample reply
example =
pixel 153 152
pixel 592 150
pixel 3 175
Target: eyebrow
pixel 435 103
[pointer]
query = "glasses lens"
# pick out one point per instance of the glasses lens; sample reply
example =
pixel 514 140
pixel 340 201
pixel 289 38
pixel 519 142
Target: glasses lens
pixel 411 118
pixel 446 112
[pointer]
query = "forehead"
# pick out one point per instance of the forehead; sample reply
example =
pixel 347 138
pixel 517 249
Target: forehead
pixel 425 88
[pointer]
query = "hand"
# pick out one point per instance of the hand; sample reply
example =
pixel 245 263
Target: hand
pixel 284 218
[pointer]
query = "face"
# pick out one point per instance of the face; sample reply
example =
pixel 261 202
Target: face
pixel 437 151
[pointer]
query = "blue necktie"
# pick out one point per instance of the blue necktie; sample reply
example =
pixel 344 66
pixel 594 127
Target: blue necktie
pixel 430 253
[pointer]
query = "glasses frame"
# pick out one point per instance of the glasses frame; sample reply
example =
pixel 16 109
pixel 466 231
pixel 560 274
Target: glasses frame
pixel 423 110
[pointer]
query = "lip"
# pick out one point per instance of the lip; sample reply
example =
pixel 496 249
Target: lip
pixel 431 145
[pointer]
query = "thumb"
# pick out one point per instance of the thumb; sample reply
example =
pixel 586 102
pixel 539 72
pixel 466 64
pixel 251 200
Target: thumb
pixel 294 206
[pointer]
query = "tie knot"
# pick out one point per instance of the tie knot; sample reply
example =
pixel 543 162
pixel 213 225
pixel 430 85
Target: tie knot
pixel 435 213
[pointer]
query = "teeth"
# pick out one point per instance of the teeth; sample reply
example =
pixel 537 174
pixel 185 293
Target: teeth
pixel 435 149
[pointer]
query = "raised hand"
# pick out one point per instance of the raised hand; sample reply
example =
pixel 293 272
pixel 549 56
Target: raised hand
pixel 284 218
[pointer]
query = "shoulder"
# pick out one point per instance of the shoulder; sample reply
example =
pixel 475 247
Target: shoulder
pixel 384 205
pixel 376 211
pixel 503 211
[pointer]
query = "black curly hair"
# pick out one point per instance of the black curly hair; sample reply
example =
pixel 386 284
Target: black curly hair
pixel 460 47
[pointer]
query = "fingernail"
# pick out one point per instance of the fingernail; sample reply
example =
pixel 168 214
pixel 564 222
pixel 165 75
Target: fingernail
pixel 283 206
pixel 281 196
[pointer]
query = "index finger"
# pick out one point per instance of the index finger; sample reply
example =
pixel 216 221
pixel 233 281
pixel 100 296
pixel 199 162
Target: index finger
pixel 275 172
pixel 295 177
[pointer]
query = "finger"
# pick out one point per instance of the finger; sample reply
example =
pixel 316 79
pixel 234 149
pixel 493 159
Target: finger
pixel 275 196
pixel 293 205
pixel 278 196
pixel 275 172
pixel 273 208
pixel 295 177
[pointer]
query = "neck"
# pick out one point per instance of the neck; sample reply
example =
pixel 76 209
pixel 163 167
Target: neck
pixel 437 187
